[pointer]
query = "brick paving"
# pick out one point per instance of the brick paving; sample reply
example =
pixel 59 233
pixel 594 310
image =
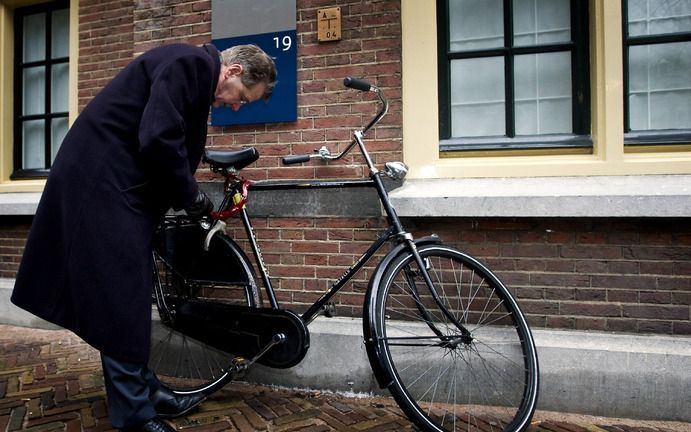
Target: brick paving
pixel 51 381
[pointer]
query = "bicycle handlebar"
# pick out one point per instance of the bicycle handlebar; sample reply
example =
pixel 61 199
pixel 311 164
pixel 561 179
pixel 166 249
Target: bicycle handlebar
pixel 294 159
pixel 357 84
pixel 324 153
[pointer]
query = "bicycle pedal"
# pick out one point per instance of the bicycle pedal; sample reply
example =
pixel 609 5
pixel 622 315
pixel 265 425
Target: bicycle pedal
pixel 238 367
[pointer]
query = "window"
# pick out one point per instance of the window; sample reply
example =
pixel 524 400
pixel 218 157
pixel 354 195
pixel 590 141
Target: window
pixel 513 74
pixel 430 156
pixel 657 60
pixel 40 86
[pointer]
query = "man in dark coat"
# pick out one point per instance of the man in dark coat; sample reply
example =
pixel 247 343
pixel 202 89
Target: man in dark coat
pixel 129 157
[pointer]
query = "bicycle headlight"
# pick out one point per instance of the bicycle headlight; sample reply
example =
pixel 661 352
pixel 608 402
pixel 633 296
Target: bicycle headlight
pixel 396 170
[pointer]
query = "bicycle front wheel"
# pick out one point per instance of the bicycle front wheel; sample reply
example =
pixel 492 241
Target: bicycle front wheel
pixel 460 356
pixel 186 274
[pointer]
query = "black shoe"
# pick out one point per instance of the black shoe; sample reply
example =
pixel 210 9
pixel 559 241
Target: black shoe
pixel 170 405
pixel 153 425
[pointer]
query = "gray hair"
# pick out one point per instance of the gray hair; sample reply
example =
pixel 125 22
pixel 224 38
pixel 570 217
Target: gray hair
pixel 257 66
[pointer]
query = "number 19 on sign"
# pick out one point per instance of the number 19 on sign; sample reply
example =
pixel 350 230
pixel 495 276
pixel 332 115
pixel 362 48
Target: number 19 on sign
pixel 284 43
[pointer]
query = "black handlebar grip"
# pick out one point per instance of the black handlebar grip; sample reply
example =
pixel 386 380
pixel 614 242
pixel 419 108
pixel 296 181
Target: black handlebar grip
pixel 294 159
pixel 357 84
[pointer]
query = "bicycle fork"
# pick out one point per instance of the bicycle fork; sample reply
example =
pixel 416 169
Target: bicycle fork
pixel 397 227
pixel 424 266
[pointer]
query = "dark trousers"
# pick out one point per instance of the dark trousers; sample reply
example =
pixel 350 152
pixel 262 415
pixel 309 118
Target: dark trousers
pixel 128 386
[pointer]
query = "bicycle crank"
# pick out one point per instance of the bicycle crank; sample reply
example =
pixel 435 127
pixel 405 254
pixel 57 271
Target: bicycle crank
pixel 239 365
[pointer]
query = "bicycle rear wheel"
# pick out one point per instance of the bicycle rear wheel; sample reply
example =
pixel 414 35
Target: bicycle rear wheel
pixel 184 273
pixel 464 361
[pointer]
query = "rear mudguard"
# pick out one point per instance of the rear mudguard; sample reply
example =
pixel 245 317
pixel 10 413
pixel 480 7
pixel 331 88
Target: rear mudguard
pixel 373 349
pixel 180 244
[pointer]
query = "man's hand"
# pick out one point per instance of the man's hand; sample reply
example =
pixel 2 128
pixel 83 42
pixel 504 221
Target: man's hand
pixel 202 206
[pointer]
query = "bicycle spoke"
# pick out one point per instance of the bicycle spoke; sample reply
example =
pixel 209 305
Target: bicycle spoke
pixel 486 366
pixel 500 354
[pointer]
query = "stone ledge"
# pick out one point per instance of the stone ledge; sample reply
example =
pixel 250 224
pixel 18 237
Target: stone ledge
pixel 603 374
pixel 594 196
pixel 19 203
pixel 13 315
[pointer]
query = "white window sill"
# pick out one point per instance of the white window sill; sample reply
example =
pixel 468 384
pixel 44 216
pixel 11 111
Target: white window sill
pixel 19 203
pixel 597 196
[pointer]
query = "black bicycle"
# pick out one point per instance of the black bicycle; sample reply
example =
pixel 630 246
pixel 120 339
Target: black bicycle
pixel 442 332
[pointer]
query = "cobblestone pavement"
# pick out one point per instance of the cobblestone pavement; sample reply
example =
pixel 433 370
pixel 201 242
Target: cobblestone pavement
pixel 52 381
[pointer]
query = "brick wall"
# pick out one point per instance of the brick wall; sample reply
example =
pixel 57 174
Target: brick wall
pixel 13 233
pixel 105 44
pixel 157 23
pixel 631 275
pixel 628 275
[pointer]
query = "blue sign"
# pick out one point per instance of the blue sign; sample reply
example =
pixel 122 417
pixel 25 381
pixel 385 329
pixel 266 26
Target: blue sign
pixel 282 106
pixel 271 25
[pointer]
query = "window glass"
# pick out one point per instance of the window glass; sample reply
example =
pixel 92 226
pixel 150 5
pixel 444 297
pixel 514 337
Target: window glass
pixel 537 22
pixel 60 33
pixel 660 86
pixel 543 93
pixel 32 142
pixel 477 97
pixel 34 81
pixel 653 17
pixel 658 60
pixel 34 37
pixel 59 128
pixel 59 87
pixel 477 24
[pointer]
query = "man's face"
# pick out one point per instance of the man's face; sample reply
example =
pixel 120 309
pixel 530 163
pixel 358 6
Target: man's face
pixel 231 92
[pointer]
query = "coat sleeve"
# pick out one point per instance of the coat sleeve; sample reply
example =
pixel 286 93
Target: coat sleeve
pixel 178 89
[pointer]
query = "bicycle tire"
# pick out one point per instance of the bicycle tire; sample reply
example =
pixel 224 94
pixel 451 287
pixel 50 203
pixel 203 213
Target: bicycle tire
pixel 441 379
pixel 184 271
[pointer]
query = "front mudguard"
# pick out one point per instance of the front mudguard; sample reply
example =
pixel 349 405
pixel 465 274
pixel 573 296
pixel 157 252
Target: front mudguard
pixel 371 344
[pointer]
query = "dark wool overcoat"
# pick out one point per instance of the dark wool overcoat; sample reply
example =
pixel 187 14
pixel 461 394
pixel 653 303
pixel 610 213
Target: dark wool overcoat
pixel 129 157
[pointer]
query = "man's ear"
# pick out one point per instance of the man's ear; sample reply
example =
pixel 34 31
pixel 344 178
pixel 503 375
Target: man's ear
pixel 234 69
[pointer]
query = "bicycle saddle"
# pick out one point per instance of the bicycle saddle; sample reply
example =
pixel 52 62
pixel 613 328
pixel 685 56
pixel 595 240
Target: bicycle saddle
pixel 237 159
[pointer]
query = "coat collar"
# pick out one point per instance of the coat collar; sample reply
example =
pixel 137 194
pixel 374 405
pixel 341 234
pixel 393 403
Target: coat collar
pixel 216 59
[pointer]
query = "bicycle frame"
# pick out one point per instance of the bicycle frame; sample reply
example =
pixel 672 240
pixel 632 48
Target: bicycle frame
pixel 236 189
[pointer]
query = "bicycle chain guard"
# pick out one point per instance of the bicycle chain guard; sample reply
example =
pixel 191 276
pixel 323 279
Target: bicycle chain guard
pixel 245 331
